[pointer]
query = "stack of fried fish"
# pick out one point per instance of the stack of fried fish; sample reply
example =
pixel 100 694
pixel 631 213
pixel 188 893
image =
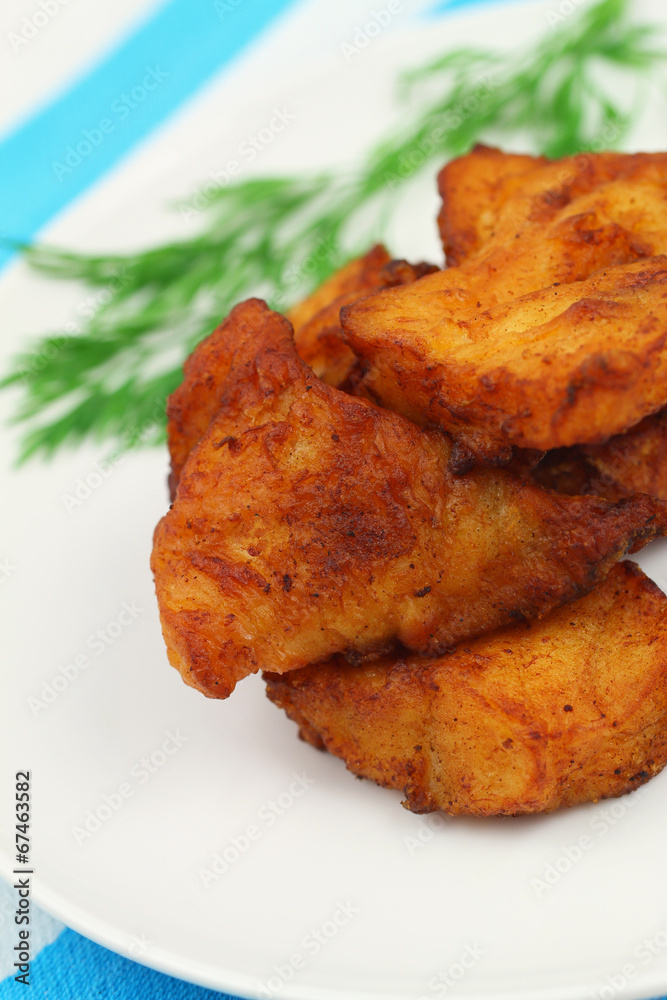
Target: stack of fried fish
pixel 407 501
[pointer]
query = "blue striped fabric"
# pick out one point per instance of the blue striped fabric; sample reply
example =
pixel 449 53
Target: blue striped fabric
pixel 73 968
pixel 448 5
pixel 82 133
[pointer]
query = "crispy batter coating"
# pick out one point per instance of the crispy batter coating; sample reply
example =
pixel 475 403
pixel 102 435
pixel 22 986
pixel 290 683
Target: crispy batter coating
pixel 316 320
pixel 318 338
pixel 600 208
pixel 309 522
pixel 536 716
pixel 489 195
pixel 552 334
pixel 634 462
pixel 474 189
pixel 192 405
pixel 489 190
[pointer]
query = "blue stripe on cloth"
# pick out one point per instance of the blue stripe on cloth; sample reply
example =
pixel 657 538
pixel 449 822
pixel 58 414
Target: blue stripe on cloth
pixel 73 968
pixel 75 139
pixel 446 5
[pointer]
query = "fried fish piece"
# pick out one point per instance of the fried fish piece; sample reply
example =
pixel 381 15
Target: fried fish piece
pixel 553 338
pixel 309 522
pixel 316 320
pixel 318 338
pixel 634 462
pixel 490 190
pixel 191 406
pixel 539 715
pixel 565 365
pixel 473 189
pixel 489 195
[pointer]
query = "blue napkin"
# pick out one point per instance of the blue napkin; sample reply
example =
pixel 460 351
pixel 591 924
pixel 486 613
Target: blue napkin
pixel 73 968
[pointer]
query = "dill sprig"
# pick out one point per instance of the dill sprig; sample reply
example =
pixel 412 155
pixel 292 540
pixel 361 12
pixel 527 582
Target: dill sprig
pixel 278 237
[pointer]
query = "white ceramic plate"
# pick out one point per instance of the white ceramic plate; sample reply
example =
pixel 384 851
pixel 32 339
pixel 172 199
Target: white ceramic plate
pixel 326 887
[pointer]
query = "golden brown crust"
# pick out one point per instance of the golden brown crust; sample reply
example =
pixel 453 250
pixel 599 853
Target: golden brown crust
pixel 473 189
pixel 309 522
pixel 356 276
pixel 489 195
pixel 318 338
pixel 634 462
pixel 537 716
pixel 316 320
pixel 553 333
pixel 192 405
